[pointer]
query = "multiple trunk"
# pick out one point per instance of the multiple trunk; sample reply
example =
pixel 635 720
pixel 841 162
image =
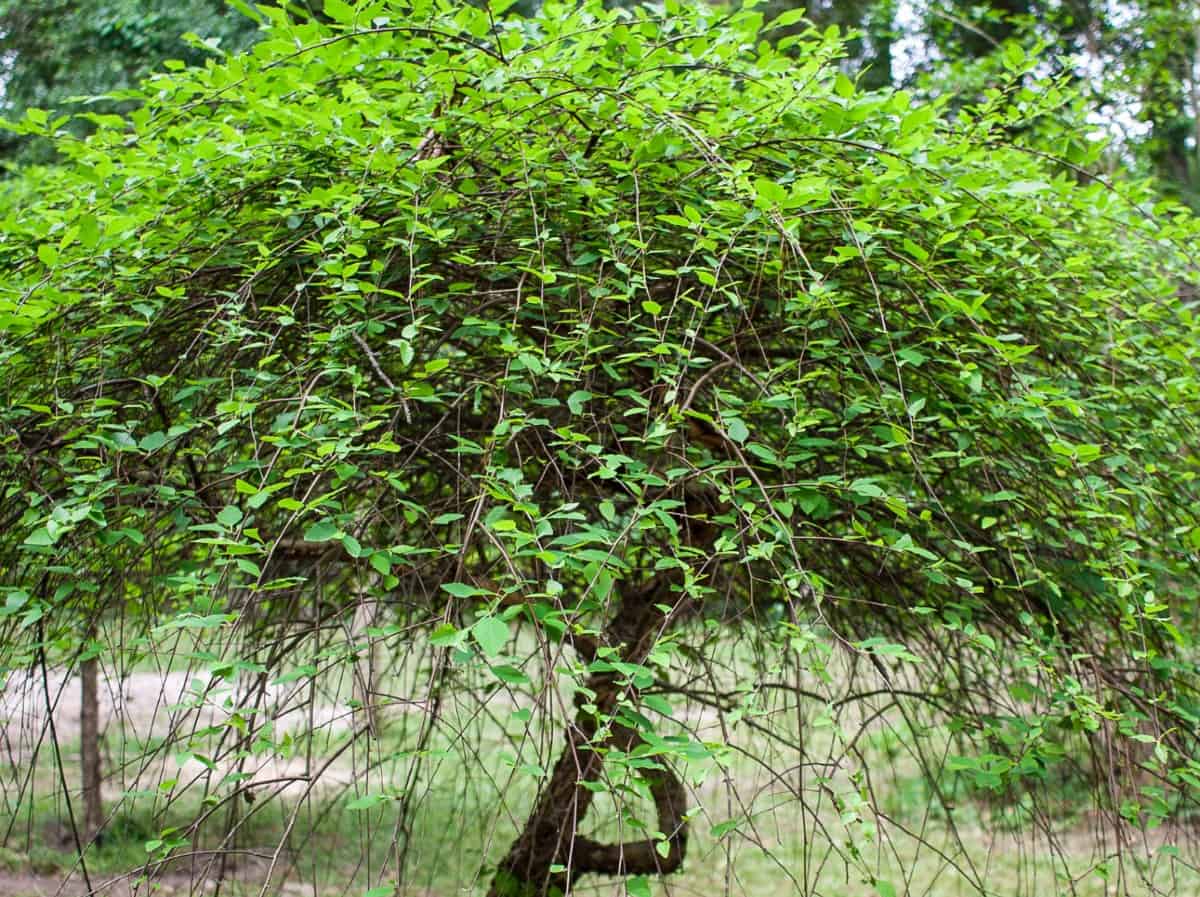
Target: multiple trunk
pixel 549 854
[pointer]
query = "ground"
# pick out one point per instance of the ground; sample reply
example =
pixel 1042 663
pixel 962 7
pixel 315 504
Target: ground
pixel 325 812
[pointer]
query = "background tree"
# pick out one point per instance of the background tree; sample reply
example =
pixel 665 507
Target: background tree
pixel 58 53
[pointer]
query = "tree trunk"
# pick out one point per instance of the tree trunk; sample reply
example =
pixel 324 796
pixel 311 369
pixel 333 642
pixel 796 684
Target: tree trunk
pixel 550 839
pixel 89 747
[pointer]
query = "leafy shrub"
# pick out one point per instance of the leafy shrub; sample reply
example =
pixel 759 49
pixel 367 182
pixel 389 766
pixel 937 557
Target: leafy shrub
pixel 621 348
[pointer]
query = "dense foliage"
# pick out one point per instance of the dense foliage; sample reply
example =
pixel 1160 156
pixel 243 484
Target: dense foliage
pixel 1134 63
pixel 619 335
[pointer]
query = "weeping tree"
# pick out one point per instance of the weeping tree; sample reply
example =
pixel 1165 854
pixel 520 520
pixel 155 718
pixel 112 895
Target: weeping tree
pixel 623 335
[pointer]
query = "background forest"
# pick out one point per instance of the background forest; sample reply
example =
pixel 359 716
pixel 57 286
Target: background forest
pixel 529 449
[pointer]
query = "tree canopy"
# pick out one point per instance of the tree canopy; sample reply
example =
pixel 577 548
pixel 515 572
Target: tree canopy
pixel 1134 62
pixel 621 334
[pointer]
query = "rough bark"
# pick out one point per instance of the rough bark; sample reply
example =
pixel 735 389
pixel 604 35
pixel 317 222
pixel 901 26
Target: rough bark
pixel 89 747
pixel 550 837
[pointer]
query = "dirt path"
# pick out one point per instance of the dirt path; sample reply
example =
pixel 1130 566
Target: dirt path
pixel 28 884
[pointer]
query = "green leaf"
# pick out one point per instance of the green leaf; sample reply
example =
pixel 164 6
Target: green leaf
pixel 491 634
pixel 246 9
pixel 736 429
pixel 789 17
pixel 462 590
pixel 305 671
pixel 153 441
pixel 770 192
pixel 658 704
pixel 577 399
pixel 445 635
pixel 40 537
pixel 230 516
pixel 637 886
pixel 1026 188
pixel 367 801
pixel 340 11
pixel 322 531
pixel 866 487
pixel 721 829
pixel 510 675
pixel 1014 55
pixel 917 119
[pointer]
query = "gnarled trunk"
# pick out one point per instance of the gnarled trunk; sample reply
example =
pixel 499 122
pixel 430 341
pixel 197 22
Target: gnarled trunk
pixel 550 839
